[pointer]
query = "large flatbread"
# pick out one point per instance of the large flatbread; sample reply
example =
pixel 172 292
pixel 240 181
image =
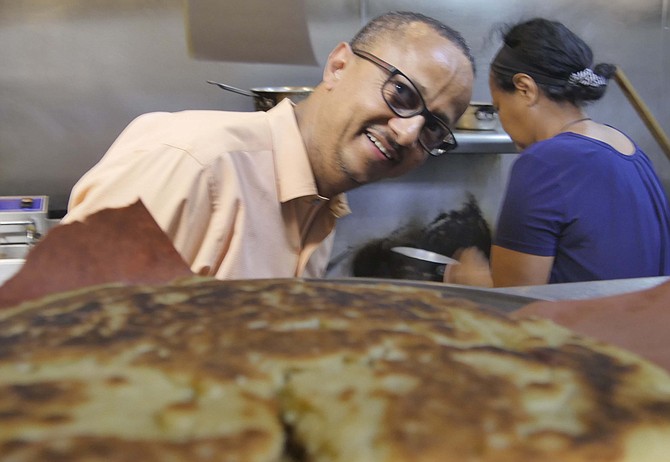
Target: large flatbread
pixel 296 370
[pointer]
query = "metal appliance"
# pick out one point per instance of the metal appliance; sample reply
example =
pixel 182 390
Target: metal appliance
pixel 23 220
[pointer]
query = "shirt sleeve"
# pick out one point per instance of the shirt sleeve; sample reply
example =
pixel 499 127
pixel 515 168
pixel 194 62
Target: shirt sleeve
pixel 531 216
pixel 173 186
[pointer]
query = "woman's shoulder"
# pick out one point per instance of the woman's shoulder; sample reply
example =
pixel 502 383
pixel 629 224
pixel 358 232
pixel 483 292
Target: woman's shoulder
pixel 576 146
pixel 562 141
pixel 554 150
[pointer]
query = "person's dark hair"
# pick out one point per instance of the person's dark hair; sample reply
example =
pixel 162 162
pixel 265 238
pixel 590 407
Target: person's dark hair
pixel 397 21
pixel 551 49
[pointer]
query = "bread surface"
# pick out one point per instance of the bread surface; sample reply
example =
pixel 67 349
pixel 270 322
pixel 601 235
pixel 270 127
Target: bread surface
pixel 298 370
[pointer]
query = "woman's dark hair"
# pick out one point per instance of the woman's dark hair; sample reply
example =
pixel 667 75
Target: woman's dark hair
pixel 397 21
pixel 553 50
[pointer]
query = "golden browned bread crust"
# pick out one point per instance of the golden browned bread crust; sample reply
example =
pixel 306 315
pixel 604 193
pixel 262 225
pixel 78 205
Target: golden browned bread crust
pixel 296 370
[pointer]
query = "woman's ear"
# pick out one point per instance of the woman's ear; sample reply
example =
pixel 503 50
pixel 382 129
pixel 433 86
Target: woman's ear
pixel 526 87
pixel 337 61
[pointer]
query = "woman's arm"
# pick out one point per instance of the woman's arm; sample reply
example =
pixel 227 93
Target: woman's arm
pixel 507 268
pixel 512 268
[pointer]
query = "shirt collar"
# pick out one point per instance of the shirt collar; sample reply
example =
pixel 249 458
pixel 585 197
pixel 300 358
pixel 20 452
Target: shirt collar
pixel 294 174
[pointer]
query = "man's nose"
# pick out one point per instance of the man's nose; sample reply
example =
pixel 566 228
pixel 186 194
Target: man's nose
pixel 407 129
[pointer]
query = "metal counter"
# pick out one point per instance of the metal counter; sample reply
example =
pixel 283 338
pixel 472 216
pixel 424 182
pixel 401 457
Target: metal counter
pixel 584 290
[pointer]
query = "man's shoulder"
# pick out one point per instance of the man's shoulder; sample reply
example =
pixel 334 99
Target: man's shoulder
pixel 201 131
pixel 202 118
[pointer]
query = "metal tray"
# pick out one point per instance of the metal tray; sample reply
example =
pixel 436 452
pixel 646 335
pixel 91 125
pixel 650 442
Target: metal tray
pixel 487 297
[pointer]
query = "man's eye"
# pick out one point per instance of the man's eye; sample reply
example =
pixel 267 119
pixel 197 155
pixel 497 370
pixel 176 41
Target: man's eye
pixel 403 95
pixel 434 127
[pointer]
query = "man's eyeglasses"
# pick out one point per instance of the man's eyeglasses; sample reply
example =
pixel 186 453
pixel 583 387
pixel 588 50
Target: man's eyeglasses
pixel 405 100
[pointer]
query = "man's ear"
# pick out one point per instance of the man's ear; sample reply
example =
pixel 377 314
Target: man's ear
pixel 526 87
pixel 337 61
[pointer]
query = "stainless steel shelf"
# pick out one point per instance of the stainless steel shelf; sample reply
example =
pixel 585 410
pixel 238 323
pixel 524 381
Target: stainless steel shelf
pixel 483 142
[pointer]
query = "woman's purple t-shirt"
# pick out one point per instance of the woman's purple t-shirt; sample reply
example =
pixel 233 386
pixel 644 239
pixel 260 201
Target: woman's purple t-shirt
pixel 601 214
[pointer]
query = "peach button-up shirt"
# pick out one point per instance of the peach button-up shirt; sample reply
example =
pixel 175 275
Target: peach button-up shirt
pixel 234 191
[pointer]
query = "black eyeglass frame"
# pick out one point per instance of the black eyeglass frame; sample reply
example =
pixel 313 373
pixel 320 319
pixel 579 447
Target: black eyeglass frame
pixel 422 110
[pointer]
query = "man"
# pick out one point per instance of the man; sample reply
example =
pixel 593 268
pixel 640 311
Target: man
pixel 255 195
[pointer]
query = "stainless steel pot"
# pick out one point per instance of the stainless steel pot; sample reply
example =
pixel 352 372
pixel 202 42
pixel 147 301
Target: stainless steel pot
pixel 268 97
pixel 478 116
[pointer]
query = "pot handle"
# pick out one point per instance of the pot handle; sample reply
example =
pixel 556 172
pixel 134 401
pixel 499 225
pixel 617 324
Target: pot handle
pixel 233 89
pixel 642 110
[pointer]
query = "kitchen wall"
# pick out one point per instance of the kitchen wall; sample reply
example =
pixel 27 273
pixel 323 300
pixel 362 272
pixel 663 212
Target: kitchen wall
pixel 75 72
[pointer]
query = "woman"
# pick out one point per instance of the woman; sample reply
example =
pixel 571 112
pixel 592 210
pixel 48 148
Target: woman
pixel 583 201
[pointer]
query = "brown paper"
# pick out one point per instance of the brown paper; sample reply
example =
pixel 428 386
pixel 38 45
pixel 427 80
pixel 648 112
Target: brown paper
pixel 114 245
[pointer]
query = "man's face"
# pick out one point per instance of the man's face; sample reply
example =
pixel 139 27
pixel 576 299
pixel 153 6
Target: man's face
pixel 364 140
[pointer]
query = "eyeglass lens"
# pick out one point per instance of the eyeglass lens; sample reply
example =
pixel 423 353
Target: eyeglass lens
pixel 404 99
